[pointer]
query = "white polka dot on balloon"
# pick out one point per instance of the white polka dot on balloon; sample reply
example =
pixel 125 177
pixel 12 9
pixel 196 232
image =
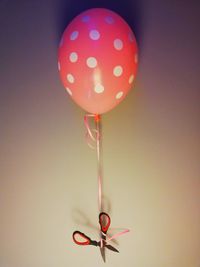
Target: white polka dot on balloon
pixel 59 66
pixel 91 62
pixel 117 71
pixel 118 44
pixel 119 95
pixel 74 35
pixel 70 78
pixel 94 35
pixel 99 88
pixel 68 91
pixel 109 20
pixel 131 78
pixel 73 57
pixel 85 18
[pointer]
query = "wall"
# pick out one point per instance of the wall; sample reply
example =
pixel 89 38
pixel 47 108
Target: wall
pixel 151 147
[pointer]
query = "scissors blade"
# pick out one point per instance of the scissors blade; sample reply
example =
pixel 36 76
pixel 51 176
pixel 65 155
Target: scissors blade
pixel 111 248
pixel 103 255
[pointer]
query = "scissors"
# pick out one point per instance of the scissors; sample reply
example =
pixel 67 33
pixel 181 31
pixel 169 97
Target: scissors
pixel 83 240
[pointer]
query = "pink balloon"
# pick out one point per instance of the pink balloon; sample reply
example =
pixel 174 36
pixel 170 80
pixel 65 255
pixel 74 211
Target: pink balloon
pixel 98 58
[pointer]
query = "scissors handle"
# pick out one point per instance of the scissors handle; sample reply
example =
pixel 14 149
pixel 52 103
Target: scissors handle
pixel 104 221
pixel 81 239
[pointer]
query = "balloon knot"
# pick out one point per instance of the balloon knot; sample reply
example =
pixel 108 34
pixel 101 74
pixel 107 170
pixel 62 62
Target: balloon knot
pixel 97 117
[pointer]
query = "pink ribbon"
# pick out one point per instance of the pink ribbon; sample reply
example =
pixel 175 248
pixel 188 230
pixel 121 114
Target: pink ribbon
pixel 94 135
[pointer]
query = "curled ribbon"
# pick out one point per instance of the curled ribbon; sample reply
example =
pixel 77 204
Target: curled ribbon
pixel 92 134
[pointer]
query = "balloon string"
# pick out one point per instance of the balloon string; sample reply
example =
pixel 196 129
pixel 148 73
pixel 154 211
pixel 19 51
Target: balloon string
pixel 93 137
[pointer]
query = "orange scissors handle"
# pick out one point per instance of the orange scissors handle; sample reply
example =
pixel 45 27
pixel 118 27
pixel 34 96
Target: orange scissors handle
pixel 82 239
pixel 104 221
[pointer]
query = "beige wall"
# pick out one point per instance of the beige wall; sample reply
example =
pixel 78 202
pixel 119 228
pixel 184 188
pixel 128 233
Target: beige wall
pixel 151 146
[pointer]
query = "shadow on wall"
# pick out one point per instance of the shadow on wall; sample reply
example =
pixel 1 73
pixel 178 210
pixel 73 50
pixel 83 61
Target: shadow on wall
pixel 129 10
